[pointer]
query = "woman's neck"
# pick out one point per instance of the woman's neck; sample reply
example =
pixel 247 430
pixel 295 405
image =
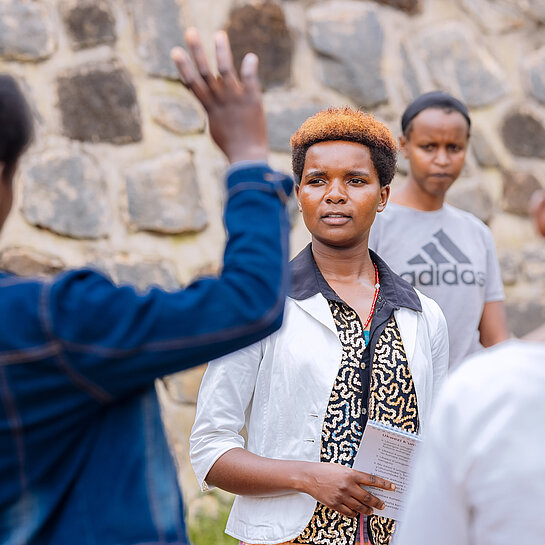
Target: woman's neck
pixel 411 196
pixel 344 265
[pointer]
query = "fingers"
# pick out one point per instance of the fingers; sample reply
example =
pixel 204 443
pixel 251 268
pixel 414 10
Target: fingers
pixel 347 512
pixel 223 54
pixel 341 489
pixel 183 64
pixel 364 497
pixel 224 59
pixel 366 504
pixel 367 499
pixel 368 479
pixel 197 52
pixel 360 501
pixel 249 74
pixel 194 69
pixel 354 508
pixel 189 75
pixel 196 74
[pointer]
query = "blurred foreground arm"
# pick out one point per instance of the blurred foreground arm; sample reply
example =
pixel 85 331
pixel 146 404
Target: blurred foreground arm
pixel 123 340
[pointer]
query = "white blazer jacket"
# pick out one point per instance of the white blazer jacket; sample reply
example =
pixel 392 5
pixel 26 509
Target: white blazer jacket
pixel 279 389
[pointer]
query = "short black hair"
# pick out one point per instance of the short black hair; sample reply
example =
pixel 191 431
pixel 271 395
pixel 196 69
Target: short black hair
pixel 446 109
pixel 16 127
pixel 438 100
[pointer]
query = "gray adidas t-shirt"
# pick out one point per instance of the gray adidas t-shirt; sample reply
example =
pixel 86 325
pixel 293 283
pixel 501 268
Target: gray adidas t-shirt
pixel 449 255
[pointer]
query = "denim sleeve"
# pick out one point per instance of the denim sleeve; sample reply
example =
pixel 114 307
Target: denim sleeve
pixel 117 340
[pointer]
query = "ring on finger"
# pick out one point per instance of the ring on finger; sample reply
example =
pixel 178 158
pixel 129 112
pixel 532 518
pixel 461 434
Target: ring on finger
pixel 206 76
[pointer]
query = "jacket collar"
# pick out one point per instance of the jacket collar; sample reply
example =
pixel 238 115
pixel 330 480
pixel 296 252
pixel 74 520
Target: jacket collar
pixel 307 281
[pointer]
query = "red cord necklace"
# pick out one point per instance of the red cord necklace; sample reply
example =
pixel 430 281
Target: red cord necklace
pixel 375 297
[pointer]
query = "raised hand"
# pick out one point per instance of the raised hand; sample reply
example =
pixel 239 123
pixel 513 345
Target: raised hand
pixel 234 105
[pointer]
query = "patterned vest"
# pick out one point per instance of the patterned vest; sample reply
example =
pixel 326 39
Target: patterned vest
pixel 392 399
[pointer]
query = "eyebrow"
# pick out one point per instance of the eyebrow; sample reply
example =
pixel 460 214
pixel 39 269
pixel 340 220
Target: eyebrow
pixel 362 173
pixel 313 173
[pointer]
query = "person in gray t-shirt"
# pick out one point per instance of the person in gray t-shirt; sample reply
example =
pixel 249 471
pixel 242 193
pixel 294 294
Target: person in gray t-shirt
pixel 446 253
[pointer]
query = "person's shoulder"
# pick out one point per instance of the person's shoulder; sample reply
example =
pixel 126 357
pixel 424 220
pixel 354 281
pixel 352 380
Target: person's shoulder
pixel 470 398
pixel 392 212
pixel 432 314
pixel 510 375
pixel 393 208
pixel 482 360
pixel 498 368
pixel 467 217
pixel 429 305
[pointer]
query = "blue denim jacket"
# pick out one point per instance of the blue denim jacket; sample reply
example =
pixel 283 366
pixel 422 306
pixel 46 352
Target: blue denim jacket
pixel 83 455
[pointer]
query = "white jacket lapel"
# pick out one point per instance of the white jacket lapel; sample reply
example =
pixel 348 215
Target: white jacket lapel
pixel 317 307
pixel 407 322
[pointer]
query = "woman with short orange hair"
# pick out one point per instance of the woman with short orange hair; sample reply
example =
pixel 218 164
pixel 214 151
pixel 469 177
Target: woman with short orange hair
pixel 357 343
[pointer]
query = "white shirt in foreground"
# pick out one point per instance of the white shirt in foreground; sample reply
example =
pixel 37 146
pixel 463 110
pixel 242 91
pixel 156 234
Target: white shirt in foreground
pixel 480 477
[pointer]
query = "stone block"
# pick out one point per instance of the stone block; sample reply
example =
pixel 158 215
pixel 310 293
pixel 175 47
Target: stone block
pixel 535 9
pixel 66 193
pixel 495 16
pixel 412 86
pixel 482 149
pixel 158 28
pixel 523 316
pixel 98 104
pixel 184 387
pixel 88 22
pixel 207 505
pixel 285 112
pixel 349 38
pixel 178 115
pixel 30 92
pixel 207 511
pixel 533 264
pixel 523 134
pixel 402 165
pixel 163 195
pixel 29 262
pixel 511 230
pixel 510 267
pixel 518 188
pixel 140 272
pixel 260 27
pixel 470 195
pixel 26 33
pixel 535 74
pixel 456 61
pixel 145 274
pixel 408 6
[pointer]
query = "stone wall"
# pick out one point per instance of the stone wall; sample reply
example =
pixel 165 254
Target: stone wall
pixel 122 175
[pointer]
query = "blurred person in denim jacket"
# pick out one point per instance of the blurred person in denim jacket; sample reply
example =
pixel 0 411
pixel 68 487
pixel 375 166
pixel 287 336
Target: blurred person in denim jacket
pixel 83 455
